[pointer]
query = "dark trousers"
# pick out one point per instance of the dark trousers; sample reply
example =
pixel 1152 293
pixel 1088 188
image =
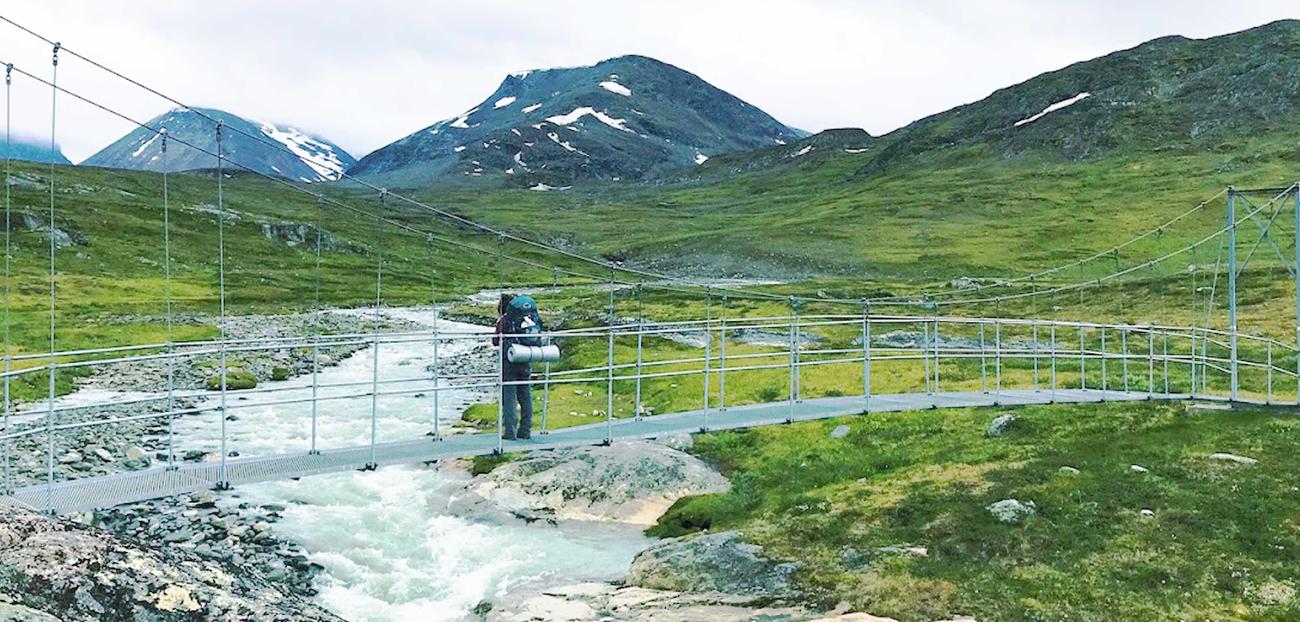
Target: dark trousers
pixel 520 394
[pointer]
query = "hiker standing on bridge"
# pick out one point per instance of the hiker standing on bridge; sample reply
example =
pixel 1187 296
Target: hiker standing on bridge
pixel 518 318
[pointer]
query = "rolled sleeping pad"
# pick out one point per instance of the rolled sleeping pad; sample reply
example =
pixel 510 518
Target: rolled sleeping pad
pixel 519 353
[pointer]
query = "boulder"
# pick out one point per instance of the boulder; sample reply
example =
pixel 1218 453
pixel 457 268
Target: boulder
pixel 1234 458
pixel 1001 425
pixel 712 562
pixel 840 431
pixel 1012 510
pixel 633 482
pixel 592 602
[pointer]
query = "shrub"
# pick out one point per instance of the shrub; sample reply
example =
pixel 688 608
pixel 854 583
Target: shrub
pixel 236 379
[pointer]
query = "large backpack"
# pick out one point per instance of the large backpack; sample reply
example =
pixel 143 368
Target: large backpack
pixel 522 319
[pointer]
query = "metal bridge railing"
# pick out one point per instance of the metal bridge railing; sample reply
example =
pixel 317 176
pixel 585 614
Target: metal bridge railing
pixel 646 369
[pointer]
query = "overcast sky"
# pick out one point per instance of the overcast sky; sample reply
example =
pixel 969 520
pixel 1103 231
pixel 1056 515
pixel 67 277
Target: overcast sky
pixel 366 73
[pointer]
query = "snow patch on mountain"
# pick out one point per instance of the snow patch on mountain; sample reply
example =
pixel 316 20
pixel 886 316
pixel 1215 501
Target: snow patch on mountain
pixel 1065 103
pixel 578 113
pixel 503 102
pixel 462 122
pixel 145 145
pixel 701 158
pixel 614 87
pixel 317 155
pixel 528 109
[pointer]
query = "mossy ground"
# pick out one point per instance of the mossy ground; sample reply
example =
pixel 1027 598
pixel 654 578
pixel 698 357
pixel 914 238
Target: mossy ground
pixel 1222 543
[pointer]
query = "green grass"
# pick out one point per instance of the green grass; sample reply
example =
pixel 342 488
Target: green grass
pixel 1222 545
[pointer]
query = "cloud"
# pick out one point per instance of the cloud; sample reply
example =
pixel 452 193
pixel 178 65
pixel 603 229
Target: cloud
pixel 366 73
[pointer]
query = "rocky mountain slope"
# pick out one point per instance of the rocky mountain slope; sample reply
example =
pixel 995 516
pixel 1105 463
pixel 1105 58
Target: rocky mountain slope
pixel 278 150
pixel 1169 95
pixel 31 151
pixel 623 118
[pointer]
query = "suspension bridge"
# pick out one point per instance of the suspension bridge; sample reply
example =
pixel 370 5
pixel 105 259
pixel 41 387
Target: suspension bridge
pixel 844 358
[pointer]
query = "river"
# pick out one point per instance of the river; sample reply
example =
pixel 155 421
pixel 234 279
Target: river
pixel 390 550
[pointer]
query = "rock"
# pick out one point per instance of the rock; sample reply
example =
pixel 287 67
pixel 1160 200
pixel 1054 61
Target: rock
pixel 324 360
pixel 18 613
pixel 136 453
pixel 857 559
pixel 203 499
pixel 100 452
pixel 1012 510
pixel 632 482
pixel 854 617
pixel 63 570
pixel 1068 470
pixel 1137 468
pixel 1224 457
pixel 71 457
pixel 680 442
pixel 195 455
pixel 712 562
pixel 592 602
pixel 840 431
pixel 1001 425
pixel 1148 512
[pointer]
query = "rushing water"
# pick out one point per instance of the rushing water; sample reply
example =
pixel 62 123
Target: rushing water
pixel 390 550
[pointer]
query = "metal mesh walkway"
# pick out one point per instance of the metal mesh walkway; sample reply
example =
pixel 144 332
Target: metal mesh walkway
pixel 111 490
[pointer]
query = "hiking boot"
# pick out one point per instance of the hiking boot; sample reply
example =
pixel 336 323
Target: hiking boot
pixel 524 436
pixel 508 437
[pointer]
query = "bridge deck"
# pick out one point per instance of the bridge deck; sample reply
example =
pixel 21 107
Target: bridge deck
pixel 111 490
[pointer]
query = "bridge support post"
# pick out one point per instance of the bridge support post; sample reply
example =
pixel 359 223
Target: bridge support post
pixel 222 482
pixel 789 417
pixel 997 360
pixel 640 349
pixel 722 358
pixel 708 352
pixel 1232 293
pixel 1105 381
pixel 374 364
pixel 1151 361
pixel 937 356
pixel 1034 338
pixel 1123 344
pixel 1164 344
pixel 1268 394
pixel 501 397
pixel 984 372
pixel 1083 361
pixel 436 371
pixel 866 354
pixel 925 357
pixel 1053 363
pixel 609 363
pixel 1296 280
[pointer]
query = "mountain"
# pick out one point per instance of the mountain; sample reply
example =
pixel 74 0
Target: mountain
pixel 31 151
pixel 1169 94
pixel 623 118
pixel 308 158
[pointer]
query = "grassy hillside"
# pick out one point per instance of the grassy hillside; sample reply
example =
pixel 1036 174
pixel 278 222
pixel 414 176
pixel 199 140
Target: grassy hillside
pixel 1192 538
